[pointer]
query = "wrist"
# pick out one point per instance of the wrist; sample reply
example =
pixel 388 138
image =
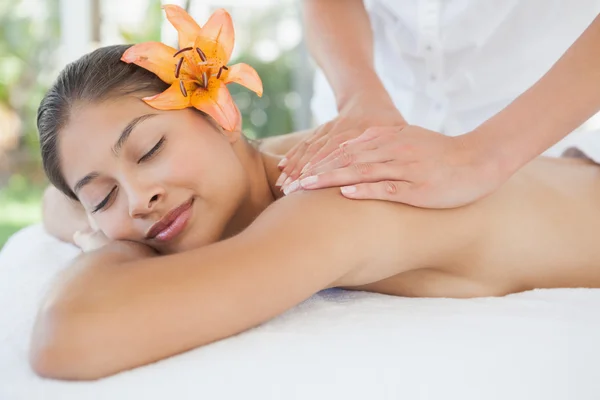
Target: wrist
pixel 368 91
pixel 496 158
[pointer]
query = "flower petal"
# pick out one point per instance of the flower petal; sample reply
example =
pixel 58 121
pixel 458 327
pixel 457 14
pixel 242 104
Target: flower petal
pixel 246 76
pixel 187 28
pixel 219 28
pixel 172 98
pixel 156 57
pixel 212 51
pixel 217 102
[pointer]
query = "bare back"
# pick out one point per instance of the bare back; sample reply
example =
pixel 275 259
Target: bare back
pixel 540 230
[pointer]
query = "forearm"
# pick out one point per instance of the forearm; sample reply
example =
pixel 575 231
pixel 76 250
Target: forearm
pixel 340 39
pixel 137 310
pixel 565 97
pixel 61 216
pixel 65 326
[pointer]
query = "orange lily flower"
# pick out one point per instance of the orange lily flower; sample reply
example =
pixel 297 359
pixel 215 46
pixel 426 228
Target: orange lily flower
pixel 198 71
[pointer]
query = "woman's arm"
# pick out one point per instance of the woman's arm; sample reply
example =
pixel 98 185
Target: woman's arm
pixel 116 309
pixel 563 99
pixel 61 216
pixel 340 38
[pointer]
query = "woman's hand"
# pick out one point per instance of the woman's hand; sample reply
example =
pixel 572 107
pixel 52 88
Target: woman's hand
pixel 62 216
pixel 357 115
pixel 409 165
pixel 90 239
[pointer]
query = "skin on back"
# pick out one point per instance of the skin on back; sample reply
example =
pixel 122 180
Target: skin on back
pixel 538 231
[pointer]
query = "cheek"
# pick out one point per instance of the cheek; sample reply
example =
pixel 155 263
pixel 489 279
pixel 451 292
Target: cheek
pixel 205 166
pixel 114 226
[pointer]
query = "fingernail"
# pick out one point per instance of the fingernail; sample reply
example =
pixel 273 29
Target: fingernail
pixel 281 179
pixel 306 167
pixel 283 162
pixel 292 187
pixel 309 181
pixel 348 189
pixel 286 182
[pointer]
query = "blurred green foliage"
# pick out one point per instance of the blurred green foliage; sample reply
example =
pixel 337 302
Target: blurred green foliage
pixel 28 43
pixel 20 202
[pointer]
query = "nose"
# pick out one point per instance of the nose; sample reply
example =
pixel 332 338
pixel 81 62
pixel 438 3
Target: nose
pixel 143 202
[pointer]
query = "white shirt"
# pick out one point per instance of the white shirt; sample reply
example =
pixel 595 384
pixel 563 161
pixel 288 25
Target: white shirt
pixel 451 64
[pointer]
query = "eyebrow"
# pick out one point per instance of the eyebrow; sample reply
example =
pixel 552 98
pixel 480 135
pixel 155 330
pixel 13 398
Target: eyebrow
pixel 127 131
pixel 116 149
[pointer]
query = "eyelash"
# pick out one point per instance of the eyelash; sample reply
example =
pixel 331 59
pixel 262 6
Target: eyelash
pixel 104 202
pixel 145 157
pixel 152 151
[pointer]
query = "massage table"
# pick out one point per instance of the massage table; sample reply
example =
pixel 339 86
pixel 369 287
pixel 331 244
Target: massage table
pixel 541 344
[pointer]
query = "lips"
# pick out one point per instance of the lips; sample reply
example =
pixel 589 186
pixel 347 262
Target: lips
pixel 171 224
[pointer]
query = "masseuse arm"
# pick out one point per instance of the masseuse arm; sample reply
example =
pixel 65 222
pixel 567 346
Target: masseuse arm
pixel 565 97
pixel 426 169
pixel 115 309
pixel 340 39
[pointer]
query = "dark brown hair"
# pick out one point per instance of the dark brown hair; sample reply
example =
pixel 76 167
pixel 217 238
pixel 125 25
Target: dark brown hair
pixel 95 77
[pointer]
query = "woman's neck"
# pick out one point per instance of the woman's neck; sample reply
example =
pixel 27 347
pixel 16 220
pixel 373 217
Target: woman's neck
pixel 262 173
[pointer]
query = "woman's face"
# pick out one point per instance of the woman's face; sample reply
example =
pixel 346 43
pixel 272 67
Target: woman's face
pixel 168 179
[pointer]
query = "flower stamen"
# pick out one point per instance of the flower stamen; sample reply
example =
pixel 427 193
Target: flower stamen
pixel 182 88
pixel 204 80
pixel 182 51
pixel 219 73
pixel 201 54
pixel 178 68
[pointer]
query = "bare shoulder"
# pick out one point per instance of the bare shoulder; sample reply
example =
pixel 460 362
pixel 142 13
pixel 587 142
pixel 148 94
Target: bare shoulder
pixel 366 239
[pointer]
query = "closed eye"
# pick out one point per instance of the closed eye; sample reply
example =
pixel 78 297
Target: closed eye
pixel 152 151
pixel 104 202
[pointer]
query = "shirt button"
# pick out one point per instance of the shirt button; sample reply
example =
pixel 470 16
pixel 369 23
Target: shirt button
pixel 432 77
pixel 428 47
pixel 437 107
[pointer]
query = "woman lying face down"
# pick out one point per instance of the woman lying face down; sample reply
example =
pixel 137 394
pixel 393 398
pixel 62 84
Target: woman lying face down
pixel 201 247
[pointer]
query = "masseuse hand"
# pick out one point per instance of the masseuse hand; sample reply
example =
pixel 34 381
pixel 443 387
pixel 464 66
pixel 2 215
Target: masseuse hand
pixel 410 165
pixel 357 115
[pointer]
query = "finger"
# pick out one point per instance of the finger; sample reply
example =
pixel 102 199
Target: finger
pixel 370 134
pixel 290 160
pixel 352 175
pixel 310 151
pixel 82 238
pixel 330 145
pixel 347 154
pixel 92 222
pixel 397 191
pixel 77 239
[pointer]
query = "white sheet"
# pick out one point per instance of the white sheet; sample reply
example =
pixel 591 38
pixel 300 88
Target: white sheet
pixel 337 345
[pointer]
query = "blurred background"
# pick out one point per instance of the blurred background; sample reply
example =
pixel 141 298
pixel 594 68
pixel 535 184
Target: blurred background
pixel 39 37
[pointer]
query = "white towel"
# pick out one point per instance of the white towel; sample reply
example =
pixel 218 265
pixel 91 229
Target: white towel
pixel 543 344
